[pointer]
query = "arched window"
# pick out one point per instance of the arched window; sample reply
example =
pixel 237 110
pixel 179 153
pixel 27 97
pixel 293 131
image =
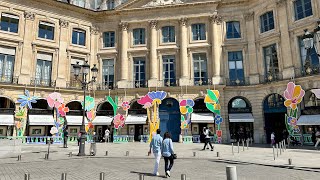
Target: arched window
pixel 274 103
pixel 239 105
pixel 310 99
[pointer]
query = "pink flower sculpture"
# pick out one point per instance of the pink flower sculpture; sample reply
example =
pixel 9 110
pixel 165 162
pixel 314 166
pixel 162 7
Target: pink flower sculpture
pixel 91 114
pixel 146 101
pixel 54 100
pixel 125 105
pixel 62 109
pixel 293 95
pixel 118 121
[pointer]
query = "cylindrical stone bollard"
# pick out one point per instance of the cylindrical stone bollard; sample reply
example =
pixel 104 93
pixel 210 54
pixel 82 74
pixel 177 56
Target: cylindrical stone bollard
pixel 248 144
pixel 141 176
pixel 218 154
pixel 290 161
pixel 70 154
pixel 238 147
pixel 26 176
pixel 274 156
pixel 277 150
pixel 280 148
pixel 106 153
pixel 232 148
pixel 194 154
pixel 102 176
pixel 242 145
pixel 64 176
pixel 283 146
pixel 19 157
pixel 127 153
pixel 231 173
pixel 183 177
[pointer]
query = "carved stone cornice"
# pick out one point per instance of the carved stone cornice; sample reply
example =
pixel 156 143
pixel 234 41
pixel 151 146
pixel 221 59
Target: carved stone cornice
pixel 29 15
pixel 153 24
pixel 216 18
pixel 63 23
pixel 249 16
pixel 281 3
pixel 94 30
pixel 183 21
pixel 124 26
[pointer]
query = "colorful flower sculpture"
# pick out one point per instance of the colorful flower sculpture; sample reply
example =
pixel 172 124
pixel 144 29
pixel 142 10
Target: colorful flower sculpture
pixel 293 95
pixel 26 99
pixel 118 121
pixel 62 109
pixel 89 103
pixel 218 119
pixel 91 114
pixel 186 108
pixel 125 105
pixel 157 96
pixel 54 100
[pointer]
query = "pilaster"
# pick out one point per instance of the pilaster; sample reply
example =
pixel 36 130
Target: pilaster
pixel 123 83
pixel 154 68
pixel 184 63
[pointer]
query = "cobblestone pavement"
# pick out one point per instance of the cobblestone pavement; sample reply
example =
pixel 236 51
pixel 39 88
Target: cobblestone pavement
pixel 129 169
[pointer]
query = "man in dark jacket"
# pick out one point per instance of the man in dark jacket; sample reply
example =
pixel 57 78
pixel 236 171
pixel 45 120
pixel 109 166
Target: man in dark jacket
pixel 65 138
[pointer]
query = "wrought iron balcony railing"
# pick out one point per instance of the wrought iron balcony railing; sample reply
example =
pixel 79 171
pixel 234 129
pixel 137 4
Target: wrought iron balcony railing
pixel 237 82
pixel 42 82
pixel 270 77
pixel 105 86
pixel 74 84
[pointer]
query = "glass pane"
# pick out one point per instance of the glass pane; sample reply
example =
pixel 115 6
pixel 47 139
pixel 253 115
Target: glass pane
pixel 232 65
pixel 74 37
pixel 82 40
pixel 239 65
pixel 1 65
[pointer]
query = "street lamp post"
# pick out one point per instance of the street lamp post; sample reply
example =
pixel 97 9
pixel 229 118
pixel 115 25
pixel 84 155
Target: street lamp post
pixel 311 40
pixel 85 71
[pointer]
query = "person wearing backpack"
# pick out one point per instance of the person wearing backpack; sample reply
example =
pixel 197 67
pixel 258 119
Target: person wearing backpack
pixel 167 153
pixel 207 141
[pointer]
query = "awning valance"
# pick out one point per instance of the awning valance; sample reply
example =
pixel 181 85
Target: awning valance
pixel 41 120
pixel 241 117
pixel 202 118
pixel 75 120
pixel 309 120
pixel 136 119
pixel 102 120
pixel 6 120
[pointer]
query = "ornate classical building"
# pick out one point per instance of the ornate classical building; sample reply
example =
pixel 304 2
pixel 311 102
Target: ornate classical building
pixel 247 49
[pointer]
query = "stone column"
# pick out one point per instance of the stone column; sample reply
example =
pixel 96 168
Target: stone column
pixel 94 32
pixel 27 50
pixel 153 81
pixel 285 55
pixel 123 83
pixel 252 53
pixel 216 41
pixel 184 63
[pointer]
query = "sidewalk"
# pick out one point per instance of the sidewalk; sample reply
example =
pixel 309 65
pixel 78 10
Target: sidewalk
pixel 301 158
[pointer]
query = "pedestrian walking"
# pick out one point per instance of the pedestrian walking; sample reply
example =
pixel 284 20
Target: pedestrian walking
pixel 167 153
pixel 106 135
pixel 207 141
pixel 65 138
pixel 78 138
pixel 156 145
pixel 273 142
pixel 318 139
pixel 93 149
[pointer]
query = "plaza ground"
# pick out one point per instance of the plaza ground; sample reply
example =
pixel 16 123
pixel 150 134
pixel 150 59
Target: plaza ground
pixel 253 163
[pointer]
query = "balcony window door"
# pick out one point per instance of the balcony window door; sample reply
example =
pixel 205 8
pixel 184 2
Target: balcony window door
pixel 139 70
pixel 7 56
pixel 169 75
pixel 108 73
pixel 43 69
pixel 236 73
pixel 271 61
pixel 314 58
pixel 200 69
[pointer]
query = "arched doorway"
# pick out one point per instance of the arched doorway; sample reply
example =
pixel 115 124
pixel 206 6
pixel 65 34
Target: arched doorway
pixel 103 120
pixel 274 116
pixel 40 118
pixel 74 117
pixel 169 114
pixel 240 119
pixel 6 116
pixel 200 118
pixel 137 121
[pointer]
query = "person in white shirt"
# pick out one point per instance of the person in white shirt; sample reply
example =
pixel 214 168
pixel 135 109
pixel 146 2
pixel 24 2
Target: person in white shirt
pixel 317 138
pixel 106 135
pixel 273 142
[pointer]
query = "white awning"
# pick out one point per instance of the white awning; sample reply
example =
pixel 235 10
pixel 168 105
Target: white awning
pixel 202 118
pixel 102 120
pixel 75 120
pixel 6 120
pixel 241 117
pixel 309 120
pixel 41 120
pixel 136 119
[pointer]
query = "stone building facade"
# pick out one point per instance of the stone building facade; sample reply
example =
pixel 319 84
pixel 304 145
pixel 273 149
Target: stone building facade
pixel 246 49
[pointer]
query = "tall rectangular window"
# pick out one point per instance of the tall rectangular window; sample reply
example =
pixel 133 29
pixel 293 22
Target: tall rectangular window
pixel 267 21
pixel 43 69
pixel 139 36
pixel 139 71
pixel 79 37
pixel 7 56
pixel 108 73
pixel 314 58
pixel 109 39
pixel 169 74
pixel 9 22
pixel 198 32
pixel 168 34
pixel 271 60
pixel 46 30
pixel 233 29
pixel 200 69
pixel 110 4
pixel 302 8
pixel 236 73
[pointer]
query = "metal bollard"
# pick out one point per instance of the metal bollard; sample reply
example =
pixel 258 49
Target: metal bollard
pixel 183 177
pixel 280 148
pixel 232 148
pixel 70 154
pixel 46 156
pixel 64 176
pixel 283 146
pixel 26 176
pixel 19 157
pixel 127 153
pixel 231 173
pixel 102 176
pixel 141 176
pixel 290 161
pixel 106 153
pixel 274 156
pixel 247 144
pixel 238 147
pixel 277 150
pixel 218 154
pixel 194 154
pixel 242 145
